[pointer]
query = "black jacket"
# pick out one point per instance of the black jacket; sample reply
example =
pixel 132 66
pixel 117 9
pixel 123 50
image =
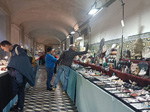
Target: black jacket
pixel 21 64
pixel 67 57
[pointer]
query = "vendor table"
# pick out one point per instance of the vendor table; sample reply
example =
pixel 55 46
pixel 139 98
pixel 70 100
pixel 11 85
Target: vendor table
pixel 71 88
pixel 124 76
pixel 90 98
pixel 5 90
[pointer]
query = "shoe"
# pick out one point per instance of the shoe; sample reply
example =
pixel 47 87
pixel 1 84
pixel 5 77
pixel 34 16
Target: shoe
pixel 14 108
pixel 50 89
pixel 53 88
pixel 19 110
pixel 64 92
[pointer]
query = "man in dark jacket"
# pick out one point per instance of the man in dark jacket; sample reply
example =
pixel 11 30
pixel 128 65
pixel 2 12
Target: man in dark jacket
pixel 65 62
pixel 20 69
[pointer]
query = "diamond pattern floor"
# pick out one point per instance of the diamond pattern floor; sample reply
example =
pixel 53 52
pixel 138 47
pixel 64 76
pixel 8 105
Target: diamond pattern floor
pixel 38 99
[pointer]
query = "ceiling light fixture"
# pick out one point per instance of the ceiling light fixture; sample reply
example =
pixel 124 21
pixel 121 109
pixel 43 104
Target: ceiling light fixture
pixel 79 38
pixel 122 23
pixel 99 10
pixel 73 32
pixel 93 11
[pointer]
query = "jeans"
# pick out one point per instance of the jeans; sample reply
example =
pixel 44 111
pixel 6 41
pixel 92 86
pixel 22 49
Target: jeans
pixel 18 88
pixel 66 70
pixel 34 71
pixel 50 72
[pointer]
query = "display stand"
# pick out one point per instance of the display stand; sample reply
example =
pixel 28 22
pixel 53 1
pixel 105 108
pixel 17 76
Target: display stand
pixel 5 91
pixel 90 98
pixel 124 76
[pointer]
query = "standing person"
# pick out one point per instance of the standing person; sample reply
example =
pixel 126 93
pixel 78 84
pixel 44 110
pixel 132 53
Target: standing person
pixel 54 54
pixel 42 59
pixel 65 61
pixel 50 64
pixel 20 69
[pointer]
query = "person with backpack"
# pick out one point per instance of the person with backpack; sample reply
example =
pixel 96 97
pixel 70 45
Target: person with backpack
pixel 20 69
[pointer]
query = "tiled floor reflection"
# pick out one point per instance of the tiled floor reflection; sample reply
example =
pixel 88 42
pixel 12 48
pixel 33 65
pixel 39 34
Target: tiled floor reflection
pixel 38 99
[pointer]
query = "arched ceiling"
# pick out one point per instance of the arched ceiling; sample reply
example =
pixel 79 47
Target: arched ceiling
pixel 48 20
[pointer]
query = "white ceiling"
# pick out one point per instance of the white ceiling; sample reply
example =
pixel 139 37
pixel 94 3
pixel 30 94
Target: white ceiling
pixel 48 21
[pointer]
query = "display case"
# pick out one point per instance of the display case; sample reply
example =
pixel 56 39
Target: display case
pixel 6 94
pixel 131 94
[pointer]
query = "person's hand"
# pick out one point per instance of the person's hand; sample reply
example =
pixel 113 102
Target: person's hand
pixel 3 69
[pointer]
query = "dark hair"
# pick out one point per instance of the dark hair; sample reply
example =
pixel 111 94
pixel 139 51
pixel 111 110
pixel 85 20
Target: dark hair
pixel 49 49
pixel 5 42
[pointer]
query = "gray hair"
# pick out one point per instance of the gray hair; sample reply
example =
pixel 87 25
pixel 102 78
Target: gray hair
pixel 71 46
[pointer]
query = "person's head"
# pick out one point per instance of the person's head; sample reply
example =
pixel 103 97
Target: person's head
pixel 6 46
pixel 49 50
pixel 53 52
pixel 72 47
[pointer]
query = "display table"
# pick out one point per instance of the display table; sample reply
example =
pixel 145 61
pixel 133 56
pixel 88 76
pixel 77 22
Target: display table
pixel 90 98
pixel 135 61
pixel 71 88
pixel 124 76
pixel 5 91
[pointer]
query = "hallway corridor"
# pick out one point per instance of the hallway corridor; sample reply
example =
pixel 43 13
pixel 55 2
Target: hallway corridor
pixel 38 99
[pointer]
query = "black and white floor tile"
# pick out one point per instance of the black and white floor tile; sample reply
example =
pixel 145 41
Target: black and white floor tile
pixel 38 99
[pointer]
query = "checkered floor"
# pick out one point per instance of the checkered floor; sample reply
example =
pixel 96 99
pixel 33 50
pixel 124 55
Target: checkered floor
pixel 38 99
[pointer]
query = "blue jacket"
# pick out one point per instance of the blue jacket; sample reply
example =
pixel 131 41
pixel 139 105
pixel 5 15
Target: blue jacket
pixel 50 61
pixel 20 66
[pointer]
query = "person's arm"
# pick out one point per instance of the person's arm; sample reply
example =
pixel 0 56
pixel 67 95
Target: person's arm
pixel 84 52
pixel 61 57
pixel 53 58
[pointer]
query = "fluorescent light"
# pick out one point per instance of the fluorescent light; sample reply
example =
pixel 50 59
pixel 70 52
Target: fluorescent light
pixel 79 38
pixel 122 23
pixel 73 32
pixel 99 10
pixel 93 11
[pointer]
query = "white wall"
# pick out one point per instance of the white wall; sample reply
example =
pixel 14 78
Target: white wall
pixel 55 46
pixel 67 43
pixel 106 24
pixel 2 26
pixel 15 34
